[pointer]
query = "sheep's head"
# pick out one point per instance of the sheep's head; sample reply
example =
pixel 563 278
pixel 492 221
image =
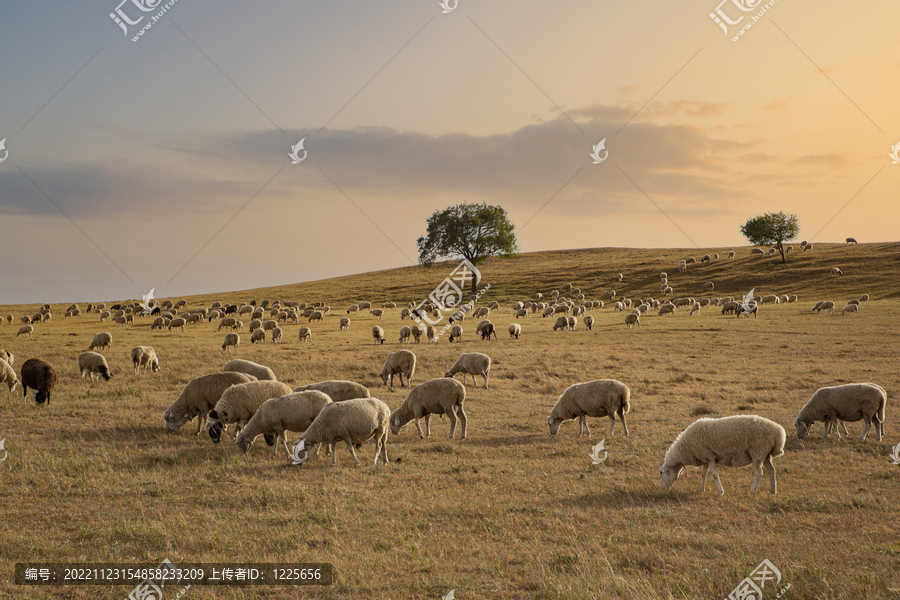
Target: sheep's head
pixel 448 374
pixel 668 475
pixel 243 443
pixel 802 428
pixel 41 397
pixel 214 426
pixel 554 425
pixel 395 424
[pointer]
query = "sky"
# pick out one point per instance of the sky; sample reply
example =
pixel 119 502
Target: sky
pixel 164 162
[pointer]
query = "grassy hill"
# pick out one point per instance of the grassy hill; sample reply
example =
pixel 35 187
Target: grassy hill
pixel 510 512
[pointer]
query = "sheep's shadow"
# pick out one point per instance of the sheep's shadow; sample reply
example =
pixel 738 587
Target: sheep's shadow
pixel 622 499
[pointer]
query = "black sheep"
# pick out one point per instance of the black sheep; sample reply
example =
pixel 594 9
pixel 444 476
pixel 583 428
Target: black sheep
pixel 39 375
pixel 486 330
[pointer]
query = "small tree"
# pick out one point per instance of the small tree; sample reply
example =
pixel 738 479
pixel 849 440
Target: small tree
pixel 473 231
pixel 772 228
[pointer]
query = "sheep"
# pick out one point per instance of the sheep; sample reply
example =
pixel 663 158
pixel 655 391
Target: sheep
pixel 227 322
pixel 493 305
pixel 807 247
pixel 305 334
pixel 633 319
pixel 440 396
pixel 354 422
pixel 619 277
pixel 562 308
pixel 254 325
pixel 8 356
pixel 731 441
pixel 199 396
pixel 121 321
pixel 770 299
pixel 826 305
pixel 338 390
pixel 101 341
pixel 695 308
pixel 705 258
pixel 431 333
pixel 547 312
pixel 417 332
pixel 378 335
pixel 599 398
pixel 232 340
pixel 668 291
pixel 405 332
pixel 26 330
pixel 345 323
pixel 754 310
pixel 176 323
pixel 93 364
pixel 522 312
pixel 39 375
pixel 270 325
pixel 456 333
pixel 293 412
pixel 789 249
pixel 377 313
pixel 258 335
pixel 588 322
pixel 784 299
pixel 572 323
pixel 401 362
pixel 709 286
pixel 515 330
pixel 158 323
pixel 518 306
pixel 835 272
pixel 8 376
pixel 316 316
pixel 756 251
pixel 666 309
pixel 848 402
pixel 851 241
pixel 851 308
pixel 792 298
pixel 364 305
pixel 276 335
pixel 144 356
pixel 488 330
pixel 26 319
pixel 471 363
pixel 612 295
pixel 562 324
pixel 238 403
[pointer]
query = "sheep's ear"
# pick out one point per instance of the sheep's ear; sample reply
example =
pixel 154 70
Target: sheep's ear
pixel 549 421
pixel 397 421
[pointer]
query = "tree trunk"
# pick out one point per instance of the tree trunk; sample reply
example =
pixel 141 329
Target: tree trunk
pixel 783 255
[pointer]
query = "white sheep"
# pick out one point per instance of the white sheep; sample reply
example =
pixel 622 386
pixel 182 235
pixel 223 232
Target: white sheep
pixel 825 305
pixel 759 251
pixel 177 323
pixel 572 323
pixel 633 319
pixel 589 322
pixel 144 356
pixel 515 330
pixel 562 324
pixel 851 308
pixel 835 272
pixel 735 441
pixel 238 404
pixel 232 340
pixel 522 312
pixel 401 362
pixel 345 323
pixel 258 335
pixel 471 363
pixel 26 330
pixel 101 341
pixel 8 356
pixel 93 364
pixel 259 371
pixel 598 398
pixel 405 332
pixel 378 334
pixel 338 390
pixel 440 396
pixel 709 286
pixel 377 313
pixel 864 298
pixel 8 376
pixel 293 412
pixel 354 422
pixel 666 309
pixel 731 254
pixel 305 334
pixel 456 333
pixel 199 396
pixel 417 332
pixel 849 402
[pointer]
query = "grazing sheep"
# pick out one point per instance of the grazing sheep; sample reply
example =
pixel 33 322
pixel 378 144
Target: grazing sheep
pixel 345 323
pixel 40 376
pixel 8 356
pixel 238 404
pixel 378 334
pixel 231 340
pixel 230 322
pixel 305 334
pixel 851 241
pixel 377 313
pixel 588 322
pixel 633 319
pixel 401 362
pixel 562 324
pixel 144 356
pixel 849 402
pixel 199 397
pixel 471 363
pixel 456 333
pixel 254 325
pixel 158 323
pixel 770 299
pixel 440 396
pixel 293 412
pixel 735 441
pixel 101 341
pixel 260 372
pixel 599 398
pixel 417 332
pixel 317 316
pixel 709 286
pixel 8 376
pixel 807 247
pixel 270 325
pixel 851 308
pixel 93 364
pixel 835 272
pixel 695 308
pixel 756 251
pixel 716 256
pixel 338 390
pixel 789 249
pixel 792 298
pixel 619 277
pixel 404 313
pixel 276 335
pixel 177 323
pixel 354 422
pixel 864 298
pixel 431 333
pixel 547 312
pixel 731 254
pixel 26 330
pixel 666 309
pixel 705 258
pixel 826 305
pixel 515 330
pixel 690 261
pixel 522 312
pixel 754 309
pixel 405 332
pixel 668 291
pixel 572 323
pixel 488 330
pixel 784 299
pixel 259 335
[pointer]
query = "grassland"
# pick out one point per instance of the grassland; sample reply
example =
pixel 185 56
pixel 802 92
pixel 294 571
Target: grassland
pixel 511 512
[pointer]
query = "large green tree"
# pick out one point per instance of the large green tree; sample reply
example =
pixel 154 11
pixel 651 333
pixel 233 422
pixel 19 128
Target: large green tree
pixel 472 231
pixel 772 228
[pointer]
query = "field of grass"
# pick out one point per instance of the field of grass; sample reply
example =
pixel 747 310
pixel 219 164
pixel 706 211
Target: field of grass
pixel 510 512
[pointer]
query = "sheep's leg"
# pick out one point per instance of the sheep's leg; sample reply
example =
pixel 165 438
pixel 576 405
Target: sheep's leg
pixel 283 439
pixel 418 427
pixel 452 416
pixel 199 423
pixel 353 451
pixel 485 375
pixel 757 474
pixel 771 470
pixel 465 422
pixel 587 429
pixel 621 413
pixel 333 447
pixel 427 425
pixel 715 472
pixel 866 429
pixel 827 429
pixel 703 471
pixel 401 379
pixel 844 427
pixel 383 441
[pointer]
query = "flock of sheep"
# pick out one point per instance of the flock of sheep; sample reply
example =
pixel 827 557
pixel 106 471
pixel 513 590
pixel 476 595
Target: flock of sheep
pixel 249 396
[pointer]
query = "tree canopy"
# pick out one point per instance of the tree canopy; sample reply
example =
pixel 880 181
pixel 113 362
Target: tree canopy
pixel 472 231
pixel 772 228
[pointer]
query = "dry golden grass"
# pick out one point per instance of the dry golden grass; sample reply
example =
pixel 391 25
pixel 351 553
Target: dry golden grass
pixel 511 512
